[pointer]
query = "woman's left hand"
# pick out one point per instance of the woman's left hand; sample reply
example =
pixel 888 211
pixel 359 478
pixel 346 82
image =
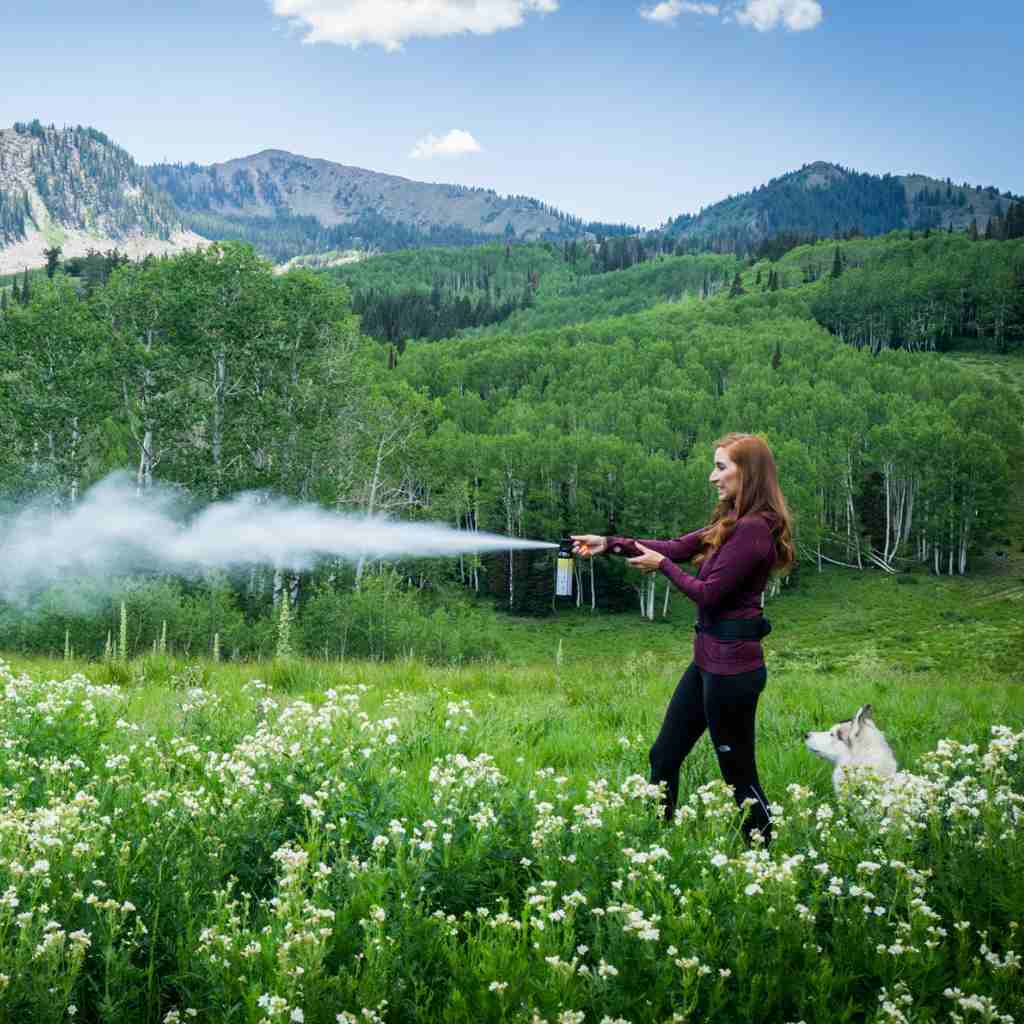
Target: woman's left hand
pixel 649 561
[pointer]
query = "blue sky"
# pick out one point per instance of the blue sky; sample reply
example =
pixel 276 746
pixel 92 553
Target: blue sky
pixel 617 111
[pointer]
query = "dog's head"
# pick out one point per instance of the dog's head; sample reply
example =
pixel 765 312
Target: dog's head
pixel 839 743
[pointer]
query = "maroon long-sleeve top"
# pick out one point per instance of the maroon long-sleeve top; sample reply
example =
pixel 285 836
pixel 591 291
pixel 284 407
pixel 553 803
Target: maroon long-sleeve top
pixel 729 585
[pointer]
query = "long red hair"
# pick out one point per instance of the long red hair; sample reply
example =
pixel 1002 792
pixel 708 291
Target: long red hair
pixel 758 493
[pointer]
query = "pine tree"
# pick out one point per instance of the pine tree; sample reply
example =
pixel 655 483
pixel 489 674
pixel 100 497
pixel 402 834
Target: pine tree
pixel 737 287
pixel 837 264
pixel 972 230
pixel 26 292
pixel 773 281
pixel 16 293
pixel 777 356
pixel 52 260
pixel 1015 221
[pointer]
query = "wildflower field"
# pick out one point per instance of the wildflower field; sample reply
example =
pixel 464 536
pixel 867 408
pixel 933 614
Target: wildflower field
pixel 187 841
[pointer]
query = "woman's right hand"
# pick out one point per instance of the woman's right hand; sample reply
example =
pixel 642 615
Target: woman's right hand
pixel 588 544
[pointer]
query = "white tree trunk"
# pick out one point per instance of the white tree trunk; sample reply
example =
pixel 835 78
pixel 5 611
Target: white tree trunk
pixel 371 502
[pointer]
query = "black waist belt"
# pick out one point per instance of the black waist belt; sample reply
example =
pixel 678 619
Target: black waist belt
pixel 735 629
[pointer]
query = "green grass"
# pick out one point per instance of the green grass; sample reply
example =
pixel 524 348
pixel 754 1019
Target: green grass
pixel 204 795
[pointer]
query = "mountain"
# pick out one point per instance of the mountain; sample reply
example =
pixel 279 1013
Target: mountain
pixel 74 188
pixel 824 199
pixel 288 205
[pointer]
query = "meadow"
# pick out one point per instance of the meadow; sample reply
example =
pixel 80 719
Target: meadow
pixel 296 840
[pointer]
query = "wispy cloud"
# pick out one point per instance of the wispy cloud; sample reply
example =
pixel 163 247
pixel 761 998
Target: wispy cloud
pixel 764 15
pixel 389 23
pixel 796 15
pixel 669 10
pixel 456 143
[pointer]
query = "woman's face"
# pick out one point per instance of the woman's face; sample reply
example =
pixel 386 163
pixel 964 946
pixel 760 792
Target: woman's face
pixel 725 476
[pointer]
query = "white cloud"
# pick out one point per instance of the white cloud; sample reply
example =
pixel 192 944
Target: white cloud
pixel 456 143
pixel 389 23
pixel 796 15
pixel 669 10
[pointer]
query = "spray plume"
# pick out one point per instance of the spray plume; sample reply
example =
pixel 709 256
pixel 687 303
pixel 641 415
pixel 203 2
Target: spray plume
pixel 114 531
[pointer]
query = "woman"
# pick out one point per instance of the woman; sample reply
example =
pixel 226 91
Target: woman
pixel 748 538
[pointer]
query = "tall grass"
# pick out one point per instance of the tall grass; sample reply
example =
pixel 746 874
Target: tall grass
pixel 305 841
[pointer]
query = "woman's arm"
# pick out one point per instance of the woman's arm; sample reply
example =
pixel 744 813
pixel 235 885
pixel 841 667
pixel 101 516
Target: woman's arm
pixel 682 549
pixel 750 543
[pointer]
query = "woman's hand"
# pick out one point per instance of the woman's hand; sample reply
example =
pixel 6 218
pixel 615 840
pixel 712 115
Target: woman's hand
pixel 588 544
pixel 649 561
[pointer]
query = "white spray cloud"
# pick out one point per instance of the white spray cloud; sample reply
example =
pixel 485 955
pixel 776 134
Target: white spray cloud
pixel 763 15
pixel 113 531
pixel 456 143
pixel 389 23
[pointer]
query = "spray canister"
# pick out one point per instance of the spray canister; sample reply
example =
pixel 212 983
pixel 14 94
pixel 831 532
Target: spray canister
pixel 564 572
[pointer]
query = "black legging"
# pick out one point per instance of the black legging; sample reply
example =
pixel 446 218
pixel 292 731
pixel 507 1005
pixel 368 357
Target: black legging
pixel 725 706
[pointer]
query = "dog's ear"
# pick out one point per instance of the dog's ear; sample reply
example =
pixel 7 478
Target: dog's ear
pixel 863 715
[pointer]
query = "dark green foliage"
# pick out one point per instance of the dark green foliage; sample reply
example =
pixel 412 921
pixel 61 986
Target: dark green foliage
pixel 824 200
pixel 814 201
pixel 52 260
pixel 411 314
pixel 779 244
pixel 837 265
pixel 94 268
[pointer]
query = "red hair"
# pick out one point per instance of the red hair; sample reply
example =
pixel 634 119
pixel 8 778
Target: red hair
pixel 758 493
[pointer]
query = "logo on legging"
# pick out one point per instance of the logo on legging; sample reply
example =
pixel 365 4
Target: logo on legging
pixel 725 749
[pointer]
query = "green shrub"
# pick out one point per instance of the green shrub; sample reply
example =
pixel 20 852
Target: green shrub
pixel 384 620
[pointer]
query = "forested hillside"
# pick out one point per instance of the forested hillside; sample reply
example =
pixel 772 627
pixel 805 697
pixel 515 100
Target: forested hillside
pixel 823 200
pixel 210 372
pixel 435 293
pixel 931 290
pixel 74 188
